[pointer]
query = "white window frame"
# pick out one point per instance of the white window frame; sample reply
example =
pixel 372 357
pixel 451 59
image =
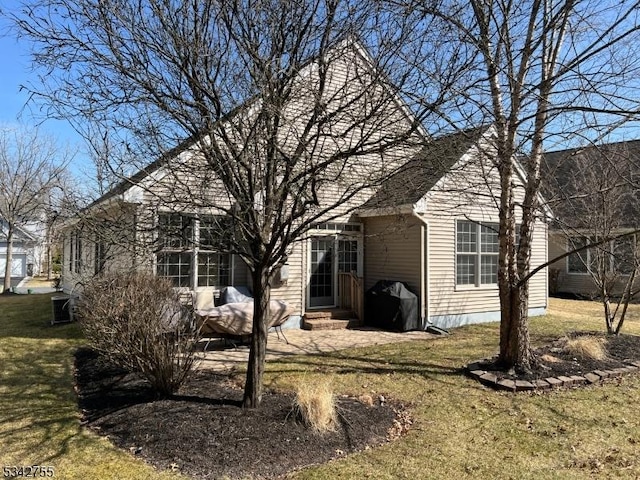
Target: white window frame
pixel 190 247
pixel 477 255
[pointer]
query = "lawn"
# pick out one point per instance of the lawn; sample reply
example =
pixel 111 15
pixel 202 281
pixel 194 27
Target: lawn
pixel 461 429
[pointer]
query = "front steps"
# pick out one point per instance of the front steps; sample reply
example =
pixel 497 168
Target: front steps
pixel 331 319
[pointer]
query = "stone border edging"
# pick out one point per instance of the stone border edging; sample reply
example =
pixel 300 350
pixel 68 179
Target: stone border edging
pixel 490 379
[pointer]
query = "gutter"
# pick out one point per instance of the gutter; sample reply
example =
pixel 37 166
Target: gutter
pixel 424 270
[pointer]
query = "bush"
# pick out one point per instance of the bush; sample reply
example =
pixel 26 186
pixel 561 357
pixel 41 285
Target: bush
pixel 315 405
pixel 137 321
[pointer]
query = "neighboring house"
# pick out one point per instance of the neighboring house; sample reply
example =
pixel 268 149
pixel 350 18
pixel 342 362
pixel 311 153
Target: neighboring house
pixel 594 195
pixel 28 250
pixel 432 225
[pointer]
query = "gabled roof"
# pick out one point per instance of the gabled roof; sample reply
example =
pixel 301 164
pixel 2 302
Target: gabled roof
pixel 421 173
pixel 20 234
pixel 122 187
pixel 559 184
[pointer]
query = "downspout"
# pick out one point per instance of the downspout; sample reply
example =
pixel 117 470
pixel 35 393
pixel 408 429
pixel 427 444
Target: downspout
pixel 425 315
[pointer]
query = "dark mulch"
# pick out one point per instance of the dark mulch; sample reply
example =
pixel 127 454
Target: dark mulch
pixel 553 360
pixel 204 433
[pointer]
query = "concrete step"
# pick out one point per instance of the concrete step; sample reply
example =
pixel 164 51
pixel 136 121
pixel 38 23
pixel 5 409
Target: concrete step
pixel 330 323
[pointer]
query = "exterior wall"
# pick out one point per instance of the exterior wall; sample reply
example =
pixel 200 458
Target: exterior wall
pixel 20 257
pixel 114 228
pixel 561 281
pixel 468 193
pixel 574 283
pixel 392 250
pixel 450 305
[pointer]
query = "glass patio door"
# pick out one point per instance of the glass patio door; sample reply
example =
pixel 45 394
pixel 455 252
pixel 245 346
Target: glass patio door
pixel 321 283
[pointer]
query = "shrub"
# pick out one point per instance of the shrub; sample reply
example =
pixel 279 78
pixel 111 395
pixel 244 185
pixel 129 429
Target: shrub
pixel 315 406
pixel 137 321
pixel 586 346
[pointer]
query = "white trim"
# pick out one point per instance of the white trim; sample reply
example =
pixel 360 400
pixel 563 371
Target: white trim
pixel 424 269
pixel 356 236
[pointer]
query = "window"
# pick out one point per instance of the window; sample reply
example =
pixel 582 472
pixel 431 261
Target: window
pixel 214 269
pixel 347 256
pixel 617 256
pixel 188 255
pixel 477 250
pixel 72 239
pixel 580 262
pixel 175 231
pixel 77 258
pixel 625 255
pixel 99 257
pixel 338 227
pixel 176 267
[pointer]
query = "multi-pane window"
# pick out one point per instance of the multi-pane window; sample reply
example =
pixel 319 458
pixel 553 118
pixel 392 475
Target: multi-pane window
pixel 347 256
pixel 625 255
pixel 175 231
pixel 187 253
pixel 78 253
pixel 577 262
pixel 99 257
pixel 214 269
pixel 619 255
pixel 176 267
pixel 477 250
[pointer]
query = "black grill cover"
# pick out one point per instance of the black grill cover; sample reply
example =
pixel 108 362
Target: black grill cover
pixel 390 305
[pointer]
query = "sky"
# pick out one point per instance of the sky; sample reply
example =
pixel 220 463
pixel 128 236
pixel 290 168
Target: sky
pixel 15 71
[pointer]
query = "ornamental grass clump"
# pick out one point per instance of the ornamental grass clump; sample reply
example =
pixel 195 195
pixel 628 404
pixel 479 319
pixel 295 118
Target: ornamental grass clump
pixel 587 347
pixel 315 406
pixel 137 322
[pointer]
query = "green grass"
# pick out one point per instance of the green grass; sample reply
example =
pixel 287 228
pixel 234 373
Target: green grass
pixel 461 429
pixel 39 421
pixel 464 430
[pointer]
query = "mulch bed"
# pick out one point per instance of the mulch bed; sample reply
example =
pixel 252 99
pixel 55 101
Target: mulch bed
pixel 554 360
pixel 204 433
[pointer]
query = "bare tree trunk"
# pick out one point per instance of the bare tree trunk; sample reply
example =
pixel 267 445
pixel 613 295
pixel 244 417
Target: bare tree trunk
pixel 49 252
pixel 515 348
pixel 608 317
pixel 9 259
pixel 255 369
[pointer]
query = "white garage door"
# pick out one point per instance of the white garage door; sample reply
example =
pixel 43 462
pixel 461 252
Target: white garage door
pixel 18 265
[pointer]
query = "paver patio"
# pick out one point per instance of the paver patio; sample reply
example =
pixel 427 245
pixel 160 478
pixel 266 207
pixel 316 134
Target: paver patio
pixel 305 342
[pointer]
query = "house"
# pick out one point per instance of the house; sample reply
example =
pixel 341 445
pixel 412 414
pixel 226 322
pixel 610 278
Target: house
pixel 593 193
pixel 431 224
pixel 28 250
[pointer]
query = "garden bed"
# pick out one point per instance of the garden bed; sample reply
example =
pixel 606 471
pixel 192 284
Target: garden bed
pixel 204 433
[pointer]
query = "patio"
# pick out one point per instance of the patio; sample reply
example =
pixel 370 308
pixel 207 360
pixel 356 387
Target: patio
pixel 304 342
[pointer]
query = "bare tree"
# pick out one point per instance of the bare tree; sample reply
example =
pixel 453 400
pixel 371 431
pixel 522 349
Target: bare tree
pixel 290 120
pixel 30 167
pixel 596 204
pixel 540 71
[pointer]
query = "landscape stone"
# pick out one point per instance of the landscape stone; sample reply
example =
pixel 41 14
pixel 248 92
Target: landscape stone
pixel 542 384
pixel 524 385
pixel 489 377
pixel 554 382
pixel 507 384
pixel 592 377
